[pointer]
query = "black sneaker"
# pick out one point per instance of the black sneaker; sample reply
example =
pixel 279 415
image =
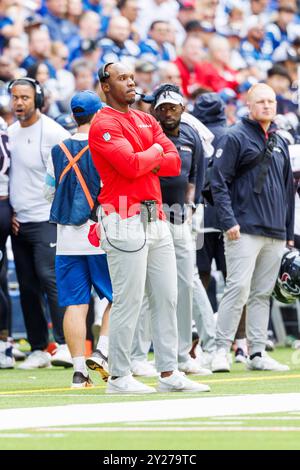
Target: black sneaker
pixel 80 381
pixel 99 363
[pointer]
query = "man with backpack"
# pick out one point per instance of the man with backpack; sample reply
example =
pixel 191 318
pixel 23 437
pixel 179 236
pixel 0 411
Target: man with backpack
pixel 75 184
pixel 252 188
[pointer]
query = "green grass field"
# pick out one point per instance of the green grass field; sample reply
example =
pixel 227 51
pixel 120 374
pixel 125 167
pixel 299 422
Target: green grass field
pixel 50 387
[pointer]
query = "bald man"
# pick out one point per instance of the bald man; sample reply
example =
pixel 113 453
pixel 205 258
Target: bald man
pixel 131 152
pixel 252 186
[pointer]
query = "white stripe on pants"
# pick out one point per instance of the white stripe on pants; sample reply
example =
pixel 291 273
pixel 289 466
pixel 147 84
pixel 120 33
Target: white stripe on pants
pixel 153 268
pixel 253 264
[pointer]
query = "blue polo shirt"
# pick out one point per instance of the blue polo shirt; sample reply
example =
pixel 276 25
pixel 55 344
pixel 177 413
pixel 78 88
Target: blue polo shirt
pixel 174 189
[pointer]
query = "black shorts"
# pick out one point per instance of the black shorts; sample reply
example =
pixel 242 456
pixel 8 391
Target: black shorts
pixel 213 249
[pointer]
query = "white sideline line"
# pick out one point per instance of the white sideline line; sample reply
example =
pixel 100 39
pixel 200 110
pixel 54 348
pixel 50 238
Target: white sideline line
pixel 70 415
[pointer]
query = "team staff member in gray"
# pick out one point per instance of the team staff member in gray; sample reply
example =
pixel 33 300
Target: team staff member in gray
pixel 130 151
pixel 34 239
pixel 178 195
pixel 256 210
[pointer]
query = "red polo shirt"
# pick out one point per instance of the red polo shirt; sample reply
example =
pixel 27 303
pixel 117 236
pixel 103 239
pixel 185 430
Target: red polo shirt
pixel 121 145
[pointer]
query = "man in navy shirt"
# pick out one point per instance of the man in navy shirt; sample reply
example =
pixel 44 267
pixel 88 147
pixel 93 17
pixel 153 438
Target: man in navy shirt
pixel 256 212
pixel 178 194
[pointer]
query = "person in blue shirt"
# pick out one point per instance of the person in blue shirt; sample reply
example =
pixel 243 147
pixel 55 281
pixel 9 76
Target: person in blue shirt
pixel 79 265
pixel 255 50
pixel 117 46
pixel 283 29
pixel 59 28
pixel 157 47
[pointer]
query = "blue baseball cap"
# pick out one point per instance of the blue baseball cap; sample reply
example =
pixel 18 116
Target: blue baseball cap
pixel 88 101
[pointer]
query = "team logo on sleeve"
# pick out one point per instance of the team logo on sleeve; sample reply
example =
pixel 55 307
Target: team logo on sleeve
pixel 107 137
pixel 219 153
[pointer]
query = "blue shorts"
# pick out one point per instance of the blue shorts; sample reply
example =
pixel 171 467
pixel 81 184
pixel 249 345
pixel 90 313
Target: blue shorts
pixel 76 275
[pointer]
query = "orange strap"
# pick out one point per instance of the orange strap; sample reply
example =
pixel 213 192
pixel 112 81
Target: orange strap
pixel 73 164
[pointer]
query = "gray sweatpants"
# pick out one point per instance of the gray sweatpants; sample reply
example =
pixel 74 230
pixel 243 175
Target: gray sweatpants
pixel 185 260
pixel 253 264
pixel 203 316
pixel 152 268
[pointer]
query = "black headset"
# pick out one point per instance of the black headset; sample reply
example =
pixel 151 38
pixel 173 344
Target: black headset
pixel 102 72
pixel 39 98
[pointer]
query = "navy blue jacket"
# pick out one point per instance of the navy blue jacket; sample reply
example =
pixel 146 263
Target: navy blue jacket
pixel 174 188
pixel 269 214
pixel 70 206
pixel 210 110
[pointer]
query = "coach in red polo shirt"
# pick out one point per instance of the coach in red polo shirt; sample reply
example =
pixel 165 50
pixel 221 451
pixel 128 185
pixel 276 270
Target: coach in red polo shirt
pixel 130 151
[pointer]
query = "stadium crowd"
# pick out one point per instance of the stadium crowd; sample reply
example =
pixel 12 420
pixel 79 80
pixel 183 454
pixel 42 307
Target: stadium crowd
pixel 212 53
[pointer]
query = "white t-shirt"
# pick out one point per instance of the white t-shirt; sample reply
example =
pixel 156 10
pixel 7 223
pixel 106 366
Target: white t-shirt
pixel 30 148
pixel 71 239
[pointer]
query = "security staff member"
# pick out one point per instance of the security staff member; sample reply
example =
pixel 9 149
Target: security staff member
pixel 256 210
pixel 178 194
pixel 131 152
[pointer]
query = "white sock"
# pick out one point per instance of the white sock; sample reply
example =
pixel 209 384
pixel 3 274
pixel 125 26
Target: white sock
pixel 79 365
pixel 103 345
pixel 242 344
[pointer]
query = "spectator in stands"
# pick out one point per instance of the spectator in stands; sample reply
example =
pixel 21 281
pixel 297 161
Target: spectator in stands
pixel 283 30
pixel 186 14
pixel 169 73
pixel 157 47
pixel 83 74
pixel 189 65
pixel 74 11
pixel 65 79
pixel 16 50
pixel 217 72
pixel 153 10
pixel 8 70
pixel 89 28
pixel 39 49
pixel 8 27
pixel 256 52
pixel 117 46
pixel 60 29
pixel 280 80
pixel 130 10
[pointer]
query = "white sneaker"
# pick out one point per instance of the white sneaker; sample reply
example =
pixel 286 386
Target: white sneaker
pixel 36 360
pixel 127 385
pixel 62 357
pixel 266 363
pixel 143 369
pixel 205 359
pixel 192 367
pixel 178 382
pixel 221 361
pixel 6 356
pixel 240 356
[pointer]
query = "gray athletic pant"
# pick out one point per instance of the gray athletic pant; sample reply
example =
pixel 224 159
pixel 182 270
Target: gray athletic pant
pixel 143 334
pixel 202 312
pixel 253 264
pixel 185 259
pixel 153 268
pixel 203 316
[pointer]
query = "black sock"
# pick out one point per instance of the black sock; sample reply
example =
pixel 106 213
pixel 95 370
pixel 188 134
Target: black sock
pixel 255 355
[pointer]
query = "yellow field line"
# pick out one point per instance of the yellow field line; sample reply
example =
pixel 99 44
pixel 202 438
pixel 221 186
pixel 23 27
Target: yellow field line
pixel 211 382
